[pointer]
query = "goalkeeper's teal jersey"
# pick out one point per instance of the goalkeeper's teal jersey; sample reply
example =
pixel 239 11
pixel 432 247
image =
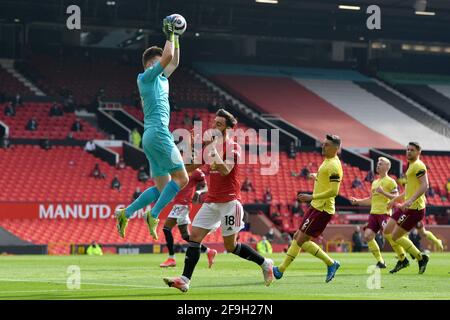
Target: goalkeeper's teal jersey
pixel 154 90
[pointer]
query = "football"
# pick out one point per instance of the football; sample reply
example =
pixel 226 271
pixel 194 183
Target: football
pixel 179 23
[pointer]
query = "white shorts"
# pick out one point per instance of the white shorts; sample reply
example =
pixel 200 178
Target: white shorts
pixel 212 215
pixel 181 213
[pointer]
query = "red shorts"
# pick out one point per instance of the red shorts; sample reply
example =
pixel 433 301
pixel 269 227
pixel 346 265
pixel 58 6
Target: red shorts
pixel 410 218
pixel 396 213
pixel 314 222
pixel 377 222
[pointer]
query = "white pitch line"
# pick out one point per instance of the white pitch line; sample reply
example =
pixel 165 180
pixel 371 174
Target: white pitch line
pixel 84 283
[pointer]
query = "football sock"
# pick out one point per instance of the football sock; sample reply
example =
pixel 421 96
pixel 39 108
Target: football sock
pixel 375 249
pixel 409 247
pixel 168 193
pixel 148 196
pixel 191 259
pixel 399 251
pixel 432 237
pixel 316 251
pixel 169 240
pixel 248 253
pixel 291 254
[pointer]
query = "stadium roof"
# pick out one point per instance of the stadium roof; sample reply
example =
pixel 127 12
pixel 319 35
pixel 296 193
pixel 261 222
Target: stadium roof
pixel 288 18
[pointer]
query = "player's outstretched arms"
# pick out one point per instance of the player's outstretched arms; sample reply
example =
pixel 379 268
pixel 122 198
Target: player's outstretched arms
pixel 173 65
pixel 169 47
pixel 361 202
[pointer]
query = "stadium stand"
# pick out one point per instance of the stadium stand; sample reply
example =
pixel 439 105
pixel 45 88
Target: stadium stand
pixel 48 127
pixel 10 85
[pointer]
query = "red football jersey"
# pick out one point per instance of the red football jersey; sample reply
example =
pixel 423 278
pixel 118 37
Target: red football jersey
pixel 185 196
pixel 225 188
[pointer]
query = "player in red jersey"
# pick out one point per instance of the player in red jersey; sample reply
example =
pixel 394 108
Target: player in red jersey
pixel 180 215
pixel 222 206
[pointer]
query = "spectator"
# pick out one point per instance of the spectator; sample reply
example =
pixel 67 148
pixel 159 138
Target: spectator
pixel 415 238
pixel 275 216
pixel 121 164
pixel 77 126
pixel 247 185
pixel 90 146
pixel 270 235
pixel 296 208
pixel 196 117
pixel 94 249
pixel 70 136
pixel 4 142
pixel 448 188
pixel 56 111
pixel 69 104
pixel 357 240
pixel 96 172
pixel 136 138
pixel 32 125
pixel 142 175
pixel 264 246
pixel 187 120
pixel 430 192
pixel 18 100
pixel 356 183
pixel 115 183
pixel 304 173
pixel 45 144
pixel 267 197
pixel 10 110
pixel 370 176
pixel 137 193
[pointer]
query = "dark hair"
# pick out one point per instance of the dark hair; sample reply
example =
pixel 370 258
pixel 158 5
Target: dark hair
pixel 230 119
pixel 335 139
pixel 415 145
pixel 150 53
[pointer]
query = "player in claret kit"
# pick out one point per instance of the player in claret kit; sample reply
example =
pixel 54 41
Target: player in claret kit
pixel 326 188
pixel 411 209
pixel 179 215
pixel 222 205
pixel 383 190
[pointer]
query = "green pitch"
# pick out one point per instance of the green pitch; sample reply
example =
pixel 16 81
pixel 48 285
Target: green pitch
pixel 140 277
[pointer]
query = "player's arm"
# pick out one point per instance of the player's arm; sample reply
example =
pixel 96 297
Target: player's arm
pixel 396 199
pixel 361 202
pixel 176 58
pixel 332 192
pixel 221 166
pixel 423 187
pixel 169 47
pixel 390 195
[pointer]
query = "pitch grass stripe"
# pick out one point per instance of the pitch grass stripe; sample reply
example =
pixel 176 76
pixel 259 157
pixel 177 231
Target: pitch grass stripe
pixel 70 290
pixel 84 283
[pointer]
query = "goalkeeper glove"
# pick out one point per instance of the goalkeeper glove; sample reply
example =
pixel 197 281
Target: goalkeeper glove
pixel 168 30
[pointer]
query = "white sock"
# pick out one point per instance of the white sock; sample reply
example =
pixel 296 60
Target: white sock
pixel 171 256
pixel 185 279
pixel 265 264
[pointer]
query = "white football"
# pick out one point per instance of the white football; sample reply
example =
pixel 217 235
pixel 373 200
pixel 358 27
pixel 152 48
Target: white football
pixel 179 23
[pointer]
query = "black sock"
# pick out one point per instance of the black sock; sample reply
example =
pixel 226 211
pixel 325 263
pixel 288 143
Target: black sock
pixel 203 248
pixel 248 253
pixel 192 256
pixel 169 240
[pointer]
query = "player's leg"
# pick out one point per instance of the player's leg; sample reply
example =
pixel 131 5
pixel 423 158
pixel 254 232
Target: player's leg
pixel 374 225
pixel 232 221
pixel 167 229
pixel 369 237
pixel 313 225
pixel 207 219
pixel 246 252
pixel 405 223
pixel 387 232
pixel 430 236
pixel 161 180
pixel 211 253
